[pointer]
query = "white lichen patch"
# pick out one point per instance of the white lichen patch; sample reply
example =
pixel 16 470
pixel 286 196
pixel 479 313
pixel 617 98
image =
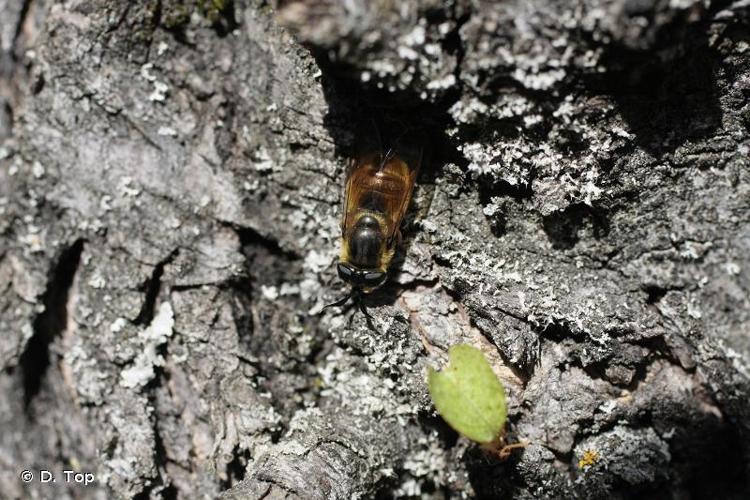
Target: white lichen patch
pixel 269 292
pixel 429 460
pixel 262 161
pixel 125 187
pixel 446 82
pixel 33 240
pixel 407 53
pixel 732 268
pixel 105 203
pixel 156 334
pixel 37 170
pixel 365 393
pixel 159 93
pixel 97 281
pixel 542 80
pixel 316 261
pixel 117 325
pixel 167 131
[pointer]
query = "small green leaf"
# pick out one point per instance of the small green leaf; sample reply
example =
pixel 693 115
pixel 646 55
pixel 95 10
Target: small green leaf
pixel 468 395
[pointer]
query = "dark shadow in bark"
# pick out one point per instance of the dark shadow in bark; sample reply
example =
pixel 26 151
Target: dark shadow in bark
pixel 6 119
pixel 445 433
pixel 667 97
pixel 489 477
pixel 235 470
pixel 35 359
pixel 563 227
pixel 282 370
pixel 151 288
pixel 709 447
pixel 509 199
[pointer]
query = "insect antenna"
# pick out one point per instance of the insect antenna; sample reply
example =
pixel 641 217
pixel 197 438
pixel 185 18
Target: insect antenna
pixel 385 158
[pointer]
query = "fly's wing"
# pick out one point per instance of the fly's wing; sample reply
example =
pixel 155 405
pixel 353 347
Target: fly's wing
pixel 383 183
pixel 405 157
pixel 345 209
pixel 359 178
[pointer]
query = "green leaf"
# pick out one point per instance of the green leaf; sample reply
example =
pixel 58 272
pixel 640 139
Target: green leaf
pixel 468 395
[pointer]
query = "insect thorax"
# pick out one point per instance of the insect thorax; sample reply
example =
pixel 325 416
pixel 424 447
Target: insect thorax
pixel 366 241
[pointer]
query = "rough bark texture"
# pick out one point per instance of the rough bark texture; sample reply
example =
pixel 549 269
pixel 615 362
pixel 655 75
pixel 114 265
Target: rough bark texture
pixel 170 179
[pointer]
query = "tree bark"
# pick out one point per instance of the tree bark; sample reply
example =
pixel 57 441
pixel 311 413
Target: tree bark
pixel 170 188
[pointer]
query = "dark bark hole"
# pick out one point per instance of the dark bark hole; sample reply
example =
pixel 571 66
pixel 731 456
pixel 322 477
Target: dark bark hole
pixel 235 470
pixel 258 318
pixel 654 294
pixel 490 478
pixel 250 238
pixel 222 17
pixel 6 120
pixel 711 448
pixel 266 263
pixel 168 491
pixel 152 286
pixel 35 359
pixel 363 118
pixel 563 228
pixel 445 433
pixel 559 331
pixel 507 198
pixel 666 103
pixel 15 51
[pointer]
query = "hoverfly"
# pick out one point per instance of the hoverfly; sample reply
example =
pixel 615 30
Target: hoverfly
pixel 377 193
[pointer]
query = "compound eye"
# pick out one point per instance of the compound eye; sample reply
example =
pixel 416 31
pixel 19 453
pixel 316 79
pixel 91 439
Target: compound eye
pixel 374 279
pixel 345 272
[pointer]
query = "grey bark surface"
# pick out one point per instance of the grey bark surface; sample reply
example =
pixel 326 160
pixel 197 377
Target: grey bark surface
pixel 170 184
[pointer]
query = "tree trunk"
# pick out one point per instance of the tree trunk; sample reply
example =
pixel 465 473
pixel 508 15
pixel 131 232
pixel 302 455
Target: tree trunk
pixel 170 188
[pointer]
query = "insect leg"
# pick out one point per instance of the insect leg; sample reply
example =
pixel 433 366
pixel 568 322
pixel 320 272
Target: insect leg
pixel 361 304
pixel 364 310
pixel 339 302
